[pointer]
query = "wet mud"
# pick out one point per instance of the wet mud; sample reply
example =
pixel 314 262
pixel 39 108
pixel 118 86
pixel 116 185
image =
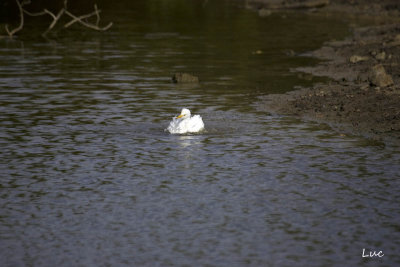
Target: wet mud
pixel 363 96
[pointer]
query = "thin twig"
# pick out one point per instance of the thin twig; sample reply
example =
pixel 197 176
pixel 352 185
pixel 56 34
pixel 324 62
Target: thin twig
pixel 21 22
pixel 97 14
pixel 55 19
pixel 51 13
pixel 81 17
pixel 35 14
pixel 88 24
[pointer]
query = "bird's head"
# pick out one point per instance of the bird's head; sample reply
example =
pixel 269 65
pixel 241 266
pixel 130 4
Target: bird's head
pixel 185 113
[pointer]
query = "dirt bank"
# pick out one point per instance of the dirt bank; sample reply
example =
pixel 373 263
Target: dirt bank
pixel 364 96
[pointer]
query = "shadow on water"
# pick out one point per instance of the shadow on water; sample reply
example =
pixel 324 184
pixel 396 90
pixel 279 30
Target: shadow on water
pixel 90 177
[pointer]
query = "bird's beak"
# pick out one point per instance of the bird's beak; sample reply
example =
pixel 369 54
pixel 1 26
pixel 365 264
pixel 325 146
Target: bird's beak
pixel 180 116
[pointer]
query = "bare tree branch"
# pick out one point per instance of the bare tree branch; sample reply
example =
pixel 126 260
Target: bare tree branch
pixel 97 14
pixel 51 13
pixel 76 19
pixel 57 17
pixel 35 14
pixel 21 22
pixel 92 26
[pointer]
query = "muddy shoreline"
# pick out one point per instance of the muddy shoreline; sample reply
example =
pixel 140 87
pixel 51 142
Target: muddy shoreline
pixel 363 97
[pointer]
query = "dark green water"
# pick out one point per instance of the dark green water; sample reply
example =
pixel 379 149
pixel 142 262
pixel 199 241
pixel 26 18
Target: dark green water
pixel 89 177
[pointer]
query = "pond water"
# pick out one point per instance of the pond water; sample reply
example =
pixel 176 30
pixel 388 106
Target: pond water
pixel 89 177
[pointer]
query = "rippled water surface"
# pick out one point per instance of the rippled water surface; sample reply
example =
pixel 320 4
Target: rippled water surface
pixel 89 177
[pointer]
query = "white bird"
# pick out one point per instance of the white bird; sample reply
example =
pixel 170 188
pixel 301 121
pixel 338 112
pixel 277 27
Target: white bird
pixel 184 123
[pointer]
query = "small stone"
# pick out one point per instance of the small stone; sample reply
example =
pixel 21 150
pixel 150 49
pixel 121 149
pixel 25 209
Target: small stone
pixel 356 58
pixel 264 12
pixel 257 52
pixel 381 56
pixel 395 42
pixel 365 87
pixel 184 78
pixel 378 76
pixel 305 76
pixel 290 52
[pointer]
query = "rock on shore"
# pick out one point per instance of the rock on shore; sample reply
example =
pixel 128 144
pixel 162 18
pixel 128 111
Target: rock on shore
pixel 184 78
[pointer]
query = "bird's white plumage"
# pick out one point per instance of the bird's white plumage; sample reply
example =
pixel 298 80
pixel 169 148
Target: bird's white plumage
pixel 185 123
